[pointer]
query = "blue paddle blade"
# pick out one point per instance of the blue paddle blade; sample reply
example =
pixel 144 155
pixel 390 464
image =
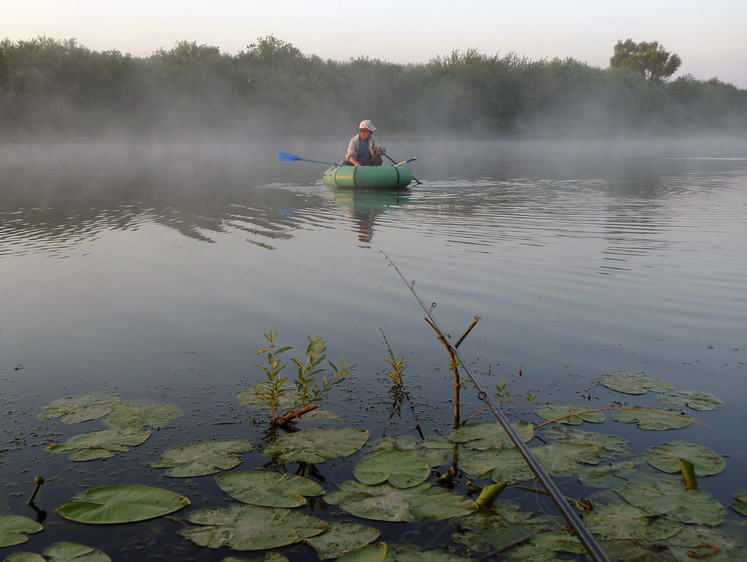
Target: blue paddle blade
pixel 285 157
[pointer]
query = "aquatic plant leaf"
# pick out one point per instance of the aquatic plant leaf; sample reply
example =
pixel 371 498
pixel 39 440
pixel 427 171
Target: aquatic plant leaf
pixel 400 553
pixel 342 537
pixel 560 459
pixel 317 445
pixel 669 499
pixel 24 557
pixel 250 527
pixel 666 457
pixel 570 414
pixel 633 383
pixel 402 468
pixel 67 551
pixel 79 408
pixel 692 399
pixel 479 463
pixel 653 419
pixel 482 533
pixel 153 415
pixel 608 476
pixel 369 553
pixel 740 505
pixel 268 489
pixel 434 449
pixel 13 529
pixel 487 435
pixel 384 502
pixel 124 503
pixel 511 467
pixel 609 445
pixel 558 542
pixel 202 458
pixel 621 521
pixel 698 542
pixel 101 444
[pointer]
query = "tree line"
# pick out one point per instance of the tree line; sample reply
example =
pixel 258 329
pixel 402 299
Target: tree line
pixel 49 85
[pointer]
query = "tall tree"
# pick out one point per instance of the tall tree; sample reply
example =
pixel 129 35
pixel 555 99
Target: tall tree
pixel 647 59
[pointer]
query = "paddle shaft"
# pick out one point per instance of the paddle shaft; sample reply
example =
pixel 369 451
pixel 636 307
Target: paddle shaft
pixel 417 181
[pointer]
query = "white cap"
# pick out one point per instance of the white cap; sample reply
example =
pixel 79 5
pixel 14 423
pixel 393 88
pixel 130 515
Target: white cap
pixel 367 125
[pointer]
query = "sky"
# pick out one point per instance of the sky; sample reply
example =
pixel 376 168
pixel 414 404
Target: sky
pixel 708 35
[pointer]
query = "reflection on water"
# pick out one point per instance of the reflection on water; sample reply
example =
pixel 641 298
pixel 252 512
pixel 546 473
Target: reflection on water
pixel 364 206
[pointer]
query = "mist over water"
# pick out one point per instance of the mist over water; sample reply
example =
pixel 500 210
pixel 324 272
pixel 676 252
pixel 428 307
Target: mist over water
pixel 154 268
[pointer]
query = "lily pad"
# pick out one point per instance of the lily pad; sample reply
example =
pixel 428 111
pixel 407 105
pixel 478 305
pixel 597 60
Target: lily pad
pixel 653 419
pixel 622 521
pixel 740 505
pixel 609 445
pixel 126 503
pixel 202 458
pixel 633 383
pixel 403 469
pixel 317 445
pixel 82 407
pixel 153 415
pixel 250 527
pixel 698 542
pixel 434 449
pixel 561 459
pixel 67 551
pixel 570 414
pixel 558 542
pixel 400 553
pixel 666 457
pixel 268 489
pixel 387 503
pixel 13 529
pixel 669 499
pixel 368 553
pixel 342 537
pixel 24 557
pixel 692 399
pixel 482 534
pixel 487 435
pixel 609 476
pixel 101 444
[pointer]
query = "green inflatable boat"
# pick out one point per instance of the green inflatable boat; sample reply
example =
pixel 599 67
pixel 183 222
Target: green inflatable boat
pixel 383 177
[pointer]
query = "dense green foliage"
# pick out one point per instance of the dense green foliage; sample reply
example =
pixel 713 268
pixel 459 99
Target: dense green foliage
pixel 48 85
pixel 647 59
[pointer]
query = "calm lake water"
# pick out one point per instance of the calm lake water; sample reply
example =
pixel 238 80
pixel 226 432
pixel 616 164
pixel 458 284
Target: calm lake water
pixel 153 271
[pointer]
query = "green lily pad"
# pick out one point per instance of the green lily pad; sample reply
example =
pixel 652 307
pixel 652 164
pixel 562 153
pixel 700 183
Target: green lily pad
pixel 558 542
pixel 317 445
pixel 342 537
pixel 434 449
pixel 268 489
pixel 561 459
pixel 633 383
pixel 82 407
pixel 368 553
pixel 488 435
pixel 570 414
pixel 482 533
pixel 666 457
pixel 14 527
pixel 621 521
pixel 609 476
pixel 609 445
pixel 692 399
pixel 653 419
pixel 67 551
pixel 153 415
pixel 698 542
pixel 202 458
pixel 250 527
pixel 740 506
pixel 400 553
pixel 511 467
pixel 101 444
pixel 671 500
pixel 24 557
pixel 387 503
pixel 121 504
pixel 403 469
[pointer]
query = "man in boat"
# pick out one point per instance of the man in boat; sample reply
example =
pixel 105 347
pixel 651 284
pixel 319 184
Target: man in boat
pixel 364 149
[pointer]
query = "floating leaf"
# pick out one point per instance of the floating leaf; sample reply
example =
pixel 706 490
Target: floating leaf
pixel 387 503
pixel 481 534
pixel 609 445
pixel 571 414
pixel 741 504
pixel 153 415
pixel 620 521
pixel 559 459
pixel 558 542
pixel 202 458
pixel 697 542
pixel 13 527
pixel 608 476
pixel 268 489
pixel 434 450
pixel 633 383
pixel 316 445
pixel 82 407
pixel 250 527
pixel 666 457
pixel 692 399
pixel 653 419
pixel 671 500
pixel 403 469
pixel 487 435
pixel 67 551
pixel 24 557
pixel 101 444
pixel 342 537
pixel 407 554
pixel 121 504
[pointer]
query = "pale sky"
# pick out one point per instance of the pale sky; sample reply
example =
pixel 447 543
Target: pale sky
pixel 709 35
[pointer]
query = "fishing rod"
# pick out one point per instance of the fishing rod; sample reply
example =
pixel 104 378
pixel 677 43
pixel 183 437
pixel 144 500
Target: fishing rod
pixel 568 514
